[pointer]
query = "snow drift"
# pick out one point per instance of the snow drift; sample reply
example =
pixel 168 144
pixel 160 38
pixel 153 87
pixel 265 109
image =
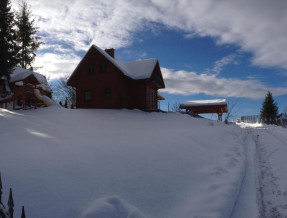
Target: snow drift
pixel 111 207
pixel 59 161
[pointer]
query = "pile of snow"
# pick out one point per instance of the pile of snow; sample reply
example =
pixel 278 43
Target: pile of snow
pixel 249 125
pixel 111 207
pixel 60 161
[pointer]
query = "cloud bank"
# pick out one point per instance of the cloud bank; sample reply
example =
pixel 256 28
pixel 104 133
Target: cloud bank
pixel 257 26
pixel 191 83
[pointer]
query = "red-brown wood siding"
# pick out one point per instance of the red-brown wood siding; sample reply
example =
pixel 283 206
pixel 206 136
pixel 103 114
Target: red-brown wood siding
pixel 125 92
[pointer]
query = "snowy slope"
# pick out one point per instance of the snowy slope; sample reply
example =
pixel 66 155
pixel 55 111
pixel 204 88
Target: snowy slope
pixel 120 163
pixel 271 164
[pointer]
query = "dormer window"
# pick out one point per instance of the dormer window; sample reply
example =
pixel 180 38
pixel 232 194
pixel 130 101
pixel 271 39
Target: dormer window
pixel 102 67
pixel 90 69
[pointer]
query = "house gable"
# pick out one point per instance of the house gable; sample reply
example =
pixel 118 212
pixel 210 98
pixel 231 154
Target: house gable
pixel 103 81
pixel 93 58
pixel 157 77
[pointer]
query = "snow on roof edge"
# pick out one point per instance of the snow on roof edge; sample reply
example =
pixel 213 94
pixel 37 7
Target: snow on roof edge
pixel 124 66
pixel 19 74
pixel 118 63
pixel 204 102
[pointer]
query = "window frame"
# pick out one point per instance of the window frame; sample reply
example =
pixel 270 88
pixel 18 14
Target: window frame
pixel 103 67
pixel 91 69
pixel 107 93
pixel 87 95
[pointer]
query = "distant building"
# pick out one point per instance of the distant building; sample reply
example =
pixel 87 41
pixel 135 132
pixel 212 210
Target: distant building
pixel 102 81
pixel 25 87
pixel 218 106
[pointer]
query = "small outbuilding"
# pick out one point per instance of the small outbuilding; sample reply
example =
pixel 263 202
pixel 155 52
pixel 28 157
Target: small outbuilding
pixel 25 88
pixel 218 106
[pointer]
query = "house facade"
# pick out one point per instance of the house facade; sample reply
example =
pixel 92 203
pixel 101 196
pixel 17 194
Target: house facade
pixel 102 81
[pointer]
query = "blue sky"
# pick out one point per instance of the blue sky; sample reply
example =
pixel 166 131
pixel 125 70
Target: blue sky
pixel 206 49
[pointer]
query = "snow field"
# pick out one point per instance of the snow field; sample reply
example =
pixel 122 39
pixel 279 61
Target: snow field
pixel 96 163
pixel 272 151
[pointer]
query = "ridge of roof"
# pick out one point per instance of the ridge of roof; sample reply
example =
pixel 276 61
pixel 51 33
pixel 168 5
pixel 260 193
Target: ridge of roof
pixel 144 68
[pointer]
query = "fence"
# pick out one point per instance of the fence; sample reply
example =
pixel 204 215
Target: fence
pixel 251 119
pixel 280 120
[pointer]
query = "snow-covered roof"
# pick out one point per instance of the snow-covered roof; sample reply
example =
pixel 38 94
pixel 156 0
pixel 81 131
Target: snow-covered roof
pixel 141 69
pixel 204 102
pixel 19 74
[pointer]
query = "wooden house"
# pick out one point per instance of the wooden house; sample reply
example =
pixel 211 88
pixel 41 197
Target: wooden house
pixel 102 81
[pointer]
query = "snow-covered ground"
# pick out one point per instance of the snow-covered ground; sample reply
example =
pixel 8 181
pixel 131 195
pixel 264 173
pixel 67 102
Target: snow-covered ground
pixel 127 163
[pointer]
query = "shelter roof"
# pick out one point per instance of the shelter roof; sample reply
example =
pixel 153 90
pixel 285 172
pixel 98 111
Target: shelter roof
pixel 204 103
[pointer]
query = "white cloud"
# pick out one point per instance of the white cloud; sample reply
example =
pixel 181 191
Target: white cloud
pixel 56 65
pixel 190 83
pixel 257 26
pixel 220 64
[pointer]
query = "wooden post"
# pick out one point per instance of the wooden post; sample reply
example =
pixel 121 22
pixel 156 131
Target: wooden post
pixel 0 190
pixel 23 215
pixel 13 103
pixel 220 116
pixel 11 204
pixel 35 103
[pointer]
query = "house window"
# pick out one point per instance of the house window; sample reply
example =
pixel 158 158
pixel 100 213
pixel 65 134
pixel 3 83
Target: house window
pixel 90 69
pixel 102 67
pixel 87 95
pixel 107 93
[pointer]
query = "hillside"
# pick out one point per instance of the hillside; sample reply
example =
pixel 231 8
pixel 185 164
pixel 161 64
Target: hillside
pixel 98 163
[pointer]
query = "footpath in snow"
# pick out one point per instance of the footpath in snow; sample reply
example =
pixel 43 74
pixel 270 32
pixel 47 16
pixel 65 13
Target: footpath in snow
pixel 121 163
pixel 270 167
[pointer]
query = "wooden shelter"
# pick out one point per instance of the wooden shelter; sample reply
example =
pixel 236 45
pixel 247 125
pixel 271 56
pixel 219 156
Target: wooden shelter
pixel 218 106
pixel 25 88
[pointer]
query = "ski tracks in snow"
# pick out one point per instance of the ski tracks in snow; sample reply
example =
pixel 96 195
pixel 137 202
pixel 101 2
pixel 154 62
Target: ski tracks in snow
pixel 272 202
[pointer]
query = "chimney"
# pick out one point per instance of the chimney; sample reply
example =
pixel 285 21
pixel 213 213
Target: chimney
pixel 111 52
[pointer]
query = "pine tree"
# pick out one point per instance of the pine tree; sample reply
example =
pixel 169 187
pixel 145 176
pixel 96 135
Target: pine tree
pixel 269 109
pixel 27 39
pixel 8 48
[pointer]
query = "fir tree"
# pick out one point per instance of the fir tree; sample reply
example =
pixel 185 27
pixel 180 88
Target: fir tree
pixel 269 109
pixel 27 40
pixel 8 48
